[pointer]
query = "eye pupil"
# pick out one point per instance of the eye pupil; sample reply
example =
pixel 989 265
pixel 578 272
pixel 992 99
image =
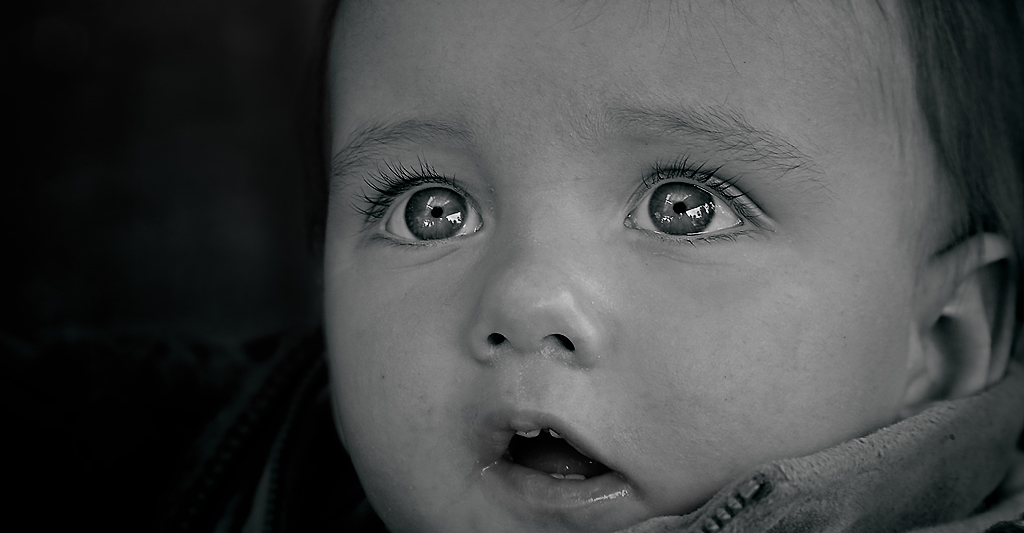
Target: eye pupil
pixel 681 209
pixel 435 213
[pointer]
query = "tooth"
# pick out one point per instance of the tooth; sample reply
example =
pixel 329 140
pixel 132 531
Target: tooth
pixel 532 433
pixel 558 476
pixel 554 433
pixel 577 477
pixel 521 433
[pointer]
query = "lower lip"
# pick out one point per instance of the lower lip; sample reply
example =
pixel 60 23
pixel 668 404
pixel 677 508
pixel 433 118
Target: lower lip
pixel 544 494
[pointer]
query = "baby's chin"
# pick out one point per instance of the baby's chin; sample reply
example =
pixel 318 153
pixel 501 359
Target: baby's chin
pixel 501 510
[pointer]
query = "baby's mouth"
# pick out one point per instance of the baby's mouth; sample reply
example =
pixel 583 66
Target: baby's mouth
pixel 547 451
pixel 537 464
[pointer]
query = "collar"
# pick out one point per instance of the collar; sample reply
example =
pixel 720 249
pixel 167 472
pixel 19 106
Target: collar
pixel 933 468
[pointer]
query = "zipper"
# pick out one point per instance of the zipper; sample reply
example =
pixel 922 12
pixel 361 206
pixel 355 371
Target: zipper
pixel 744 496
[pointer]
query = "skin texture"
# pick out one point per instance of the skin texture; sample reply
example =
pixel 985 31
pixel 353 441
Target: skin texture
pixel 693 360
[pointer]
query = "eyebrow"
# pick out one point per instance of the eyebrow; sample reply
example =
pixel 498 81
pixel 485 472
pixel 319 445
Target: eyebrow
pixel 722 130
pixel 373 139
pixel 716 129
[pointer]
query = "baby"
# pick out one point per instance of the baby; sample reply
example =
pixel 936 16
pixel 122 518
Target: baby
pixel 587 264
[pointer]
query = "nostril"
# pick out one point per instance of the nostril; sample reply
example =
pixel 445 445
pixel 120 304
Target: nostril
pixel 495 339
pixel 565 342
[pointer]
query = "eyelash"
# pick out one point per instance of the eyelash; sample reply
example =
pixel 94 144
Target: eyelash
pixel 723 186
pixel 395 179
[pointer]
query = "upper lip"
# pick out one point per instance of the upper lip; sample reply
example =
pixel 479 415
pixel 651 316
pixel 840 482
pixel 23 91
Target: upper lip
pixel 501 424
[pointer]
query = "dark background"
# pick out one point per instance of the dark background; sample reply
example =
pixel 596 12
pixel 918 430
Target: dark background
pixel 155 178
pixel 152 235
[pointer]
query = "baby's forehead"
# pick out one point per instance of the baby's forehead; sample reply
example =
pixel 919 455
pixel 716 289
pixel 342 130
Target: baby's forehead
pixel 580 56
pixel 704 30
pixel 814 74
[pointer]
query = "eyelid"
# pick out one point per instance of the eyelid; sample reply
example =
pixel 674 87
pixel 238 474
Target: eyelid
pixel 740 203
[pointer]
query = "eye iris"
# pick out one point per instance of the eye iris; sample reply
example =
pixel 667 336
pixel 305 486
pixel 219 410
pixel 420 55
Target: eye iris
pixel 435 213
pixel 681 209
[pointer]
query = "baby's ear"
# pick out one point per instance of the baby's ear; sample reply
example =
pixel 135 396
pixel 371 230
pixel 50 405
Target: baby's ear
pixel 964 324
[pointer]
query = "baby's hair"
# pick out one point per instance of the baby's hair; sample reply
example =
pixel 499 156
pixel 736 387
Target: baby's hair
pixel 969 75
pixel 968 62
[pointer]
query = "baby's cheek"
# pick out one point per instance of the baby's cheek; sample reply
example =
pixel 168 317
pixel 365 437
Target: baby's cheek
pixel 832 361
pixel 397 382
pixel 789 370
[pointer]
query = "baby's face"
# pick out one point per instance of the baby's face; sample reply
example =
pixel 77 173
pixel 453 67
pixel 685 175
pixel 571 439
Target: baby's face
pixel 682 235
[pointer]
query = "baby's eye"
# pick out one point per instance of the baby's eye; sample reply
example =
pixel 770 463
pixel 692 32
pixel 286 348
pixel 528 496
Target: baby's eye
pixel 679 208
pixel 432 214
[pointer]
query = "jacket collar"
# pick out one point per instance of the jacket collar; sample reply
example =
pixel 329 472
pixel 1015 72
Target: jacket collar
pixel 934 467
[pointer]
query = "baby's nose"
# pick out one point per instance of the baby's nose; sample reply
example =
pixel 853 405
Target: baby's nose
pixel 535 310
